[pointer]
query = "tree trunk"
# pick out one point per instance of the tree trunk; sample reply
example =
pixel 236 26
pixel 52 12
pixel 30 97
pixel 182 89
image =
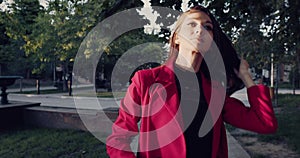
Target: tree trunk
pixel 293 80
pixel 28 73
pixel 38 86
pixel 65 82
pixel 298 59
pixel 297 73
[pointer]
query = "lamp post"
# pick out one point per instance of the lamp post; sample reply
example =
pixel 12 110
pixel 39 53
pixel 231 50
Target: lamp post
pixel 272 70
pixel 272 77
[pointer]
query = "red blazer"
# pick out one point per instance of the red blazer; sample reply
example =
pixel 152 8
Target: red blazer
pixel 158 113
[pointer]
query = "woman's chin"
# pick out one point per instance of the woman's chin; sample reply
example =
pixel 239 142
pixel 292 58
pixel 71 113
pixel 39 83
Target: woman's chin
pixel 199 52
pixel 196 53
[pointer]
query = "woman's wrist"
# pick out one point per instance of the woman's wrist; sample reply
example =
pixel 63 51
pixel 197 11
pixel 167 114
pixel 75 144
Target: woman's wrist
pixel 247 79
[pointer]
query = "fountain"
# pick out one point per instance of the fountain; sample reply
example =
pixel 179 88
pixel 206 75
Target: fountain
pixel 6 81
pixel 12 113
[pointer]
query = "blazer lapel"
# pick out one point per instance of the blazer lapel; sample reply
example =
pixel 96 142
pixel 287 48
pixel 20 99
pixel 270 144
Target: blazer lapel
pixel 166 77
pixel 215 95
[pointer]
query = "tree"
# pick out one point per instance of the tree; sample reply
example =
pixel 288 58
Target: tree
pixel 287 33
pixel 19 21
pixel 140 48
pixel 54 34
pixel 60 30
pixel 5 56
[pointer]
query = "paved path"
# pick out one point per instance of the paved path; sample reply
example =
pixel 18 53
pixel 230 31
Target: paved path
pixel 63 100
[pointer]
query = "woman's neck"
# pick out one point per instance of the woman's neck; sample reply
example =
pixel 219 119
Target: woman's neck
pixel 189 61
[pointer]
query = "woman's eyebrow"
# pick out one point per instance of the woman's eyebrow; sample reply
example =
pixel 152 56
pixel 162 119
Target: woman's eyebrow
pixel 207 21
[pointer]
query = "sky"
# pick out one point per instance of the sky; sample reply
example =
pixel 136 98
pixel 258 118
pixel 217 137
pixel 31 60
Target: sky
pixel 43 3
pixel 147 11
pixel 4 7
pixel 152 16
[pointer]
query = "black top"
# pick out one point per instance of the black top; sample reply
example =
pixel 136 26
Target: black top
pixel 193 112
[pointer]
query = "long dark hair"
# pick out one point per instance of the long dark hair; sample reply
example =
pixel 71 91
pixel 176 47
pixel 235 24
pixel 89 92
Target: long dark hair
pixel 228 53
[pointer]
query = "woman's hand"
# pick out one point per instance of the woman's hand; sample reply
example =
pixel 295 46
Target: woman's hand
pixel 244 74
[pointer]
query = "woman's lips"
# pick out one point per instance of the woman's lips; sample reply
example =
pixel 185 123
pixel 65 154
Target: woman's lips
pixel 199 40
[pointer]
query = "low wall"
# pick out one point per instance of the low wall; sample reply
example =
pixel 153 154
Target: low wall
pixel 12 114
pixel 69 118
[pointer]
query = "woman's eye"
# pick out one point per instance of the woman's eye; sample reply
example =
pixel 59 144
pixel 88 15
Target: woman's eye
pixel 208 28
pixel 192 24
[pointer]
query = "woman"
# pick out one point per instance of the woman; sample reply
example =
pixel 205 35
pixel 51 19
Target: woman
pixel 178 110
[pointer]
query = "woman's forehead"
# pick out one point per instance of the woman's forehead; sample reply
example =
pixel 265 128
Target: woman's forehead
pixel 198 16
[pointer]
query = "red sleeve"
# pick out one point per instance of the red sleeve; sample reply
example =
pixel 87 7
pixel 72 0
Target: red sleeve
pixel 125 127
pixel 259 117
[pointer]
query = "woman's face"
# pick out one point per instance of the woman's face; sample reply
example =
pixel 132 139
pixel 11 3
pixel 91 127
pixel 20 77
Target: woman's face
pixel 195 33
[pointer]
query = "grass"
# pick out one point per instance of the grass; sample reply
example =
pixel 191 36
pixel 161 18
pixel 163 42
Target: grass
pixel 288 122
pixel 46 143
pixel 286 85
pixel 105 94
pixel 48 91
pixel 288 119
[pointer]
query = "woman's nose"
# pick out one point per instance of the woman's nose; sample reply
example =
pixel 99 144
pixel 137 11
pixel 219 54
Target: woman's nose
pixel 199 30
